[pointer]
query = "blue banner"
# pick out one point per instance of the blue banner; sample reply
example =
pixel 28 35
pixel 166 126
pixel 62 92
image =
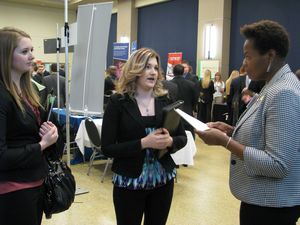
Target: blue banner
pixel 120 51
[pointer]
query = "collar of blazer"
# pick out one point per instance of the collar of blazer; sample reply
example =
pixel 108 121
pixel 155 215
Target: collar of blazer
pixel 255 103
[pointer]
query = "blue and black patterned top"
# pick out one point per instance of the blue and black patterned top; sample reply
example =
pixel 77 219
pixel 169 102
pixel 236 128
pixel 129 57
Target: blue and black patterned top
pixel 153 174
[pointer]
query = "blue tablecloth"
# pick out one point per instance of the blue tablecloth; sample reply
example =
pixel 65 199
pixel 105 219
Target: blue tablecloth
pixel 74 119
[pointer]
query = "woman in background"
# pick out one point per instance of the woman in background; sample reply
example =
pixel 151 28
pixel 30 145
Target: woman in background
pixel 234 74
pixel 23 134
pixel 219 86
pixel 133 136
pixel 206 90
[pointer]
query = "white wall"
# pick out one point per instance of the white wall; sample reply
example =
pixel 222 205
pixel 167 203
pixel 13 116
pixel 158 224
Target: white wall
pixel 38 22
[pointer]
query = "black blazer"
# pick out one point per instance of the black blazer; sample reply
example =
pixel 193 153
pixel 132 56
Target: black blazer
pixel 186 92
pixel 172 89
pixel 122 130
pixel 21 158
pixel 206 94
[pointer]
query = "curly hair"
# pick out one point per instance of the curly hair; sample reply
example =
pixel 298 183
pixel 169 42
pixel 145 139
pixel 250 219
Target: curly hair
pixel 134 68
pixel 266 35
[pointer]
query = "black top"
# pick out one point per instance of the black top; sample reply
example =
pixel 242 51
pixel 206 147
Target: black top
pixel 21 158
pixel 149 121
pixel 122 130
pixel 206 94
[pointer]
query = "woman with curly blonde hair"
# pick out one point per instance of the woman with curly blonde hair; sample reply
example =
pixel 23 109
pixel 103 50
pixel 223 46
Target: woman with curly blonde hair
pixel 132 134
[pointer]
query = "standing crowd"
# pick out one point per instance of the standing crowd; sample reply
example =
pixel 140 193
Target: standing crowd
pixel 263 105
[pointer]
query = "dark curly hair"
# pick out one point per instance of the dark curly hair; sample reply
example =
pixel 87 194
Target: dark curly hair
pixel 266 35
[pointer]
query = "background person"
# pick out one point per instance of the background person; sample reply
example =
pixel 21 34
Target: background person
pixel 234 74
pixel 51 86
pixel 110 83
pixel 186 92
pixel 219 87
pixel 132 134
pixel 265 159
pixel 23 133
pixel 205 91
pixel 188 72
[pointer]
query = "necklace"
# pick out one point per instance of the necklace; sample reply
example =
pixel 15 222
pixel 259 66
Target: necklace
pixel 145 106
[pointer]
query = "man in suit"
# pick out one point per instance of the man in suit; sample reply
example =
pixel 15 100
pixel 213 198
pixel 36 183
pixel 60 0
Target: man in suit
pixel 187 74
pixel 172 89
pixel 51 86
pixel 186 92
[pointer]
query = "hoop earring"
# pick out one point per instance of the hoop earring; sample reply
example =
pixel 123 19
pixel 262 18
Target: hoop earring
pixel 269 67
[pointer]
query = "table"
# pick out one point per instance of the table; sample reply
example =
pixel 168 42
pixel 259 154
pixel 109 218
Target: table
pixel 187 153
pixel 82 140
pixel 75 120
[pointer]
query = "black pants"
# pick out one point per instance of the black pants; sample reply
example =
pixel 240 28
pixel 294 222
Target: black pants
pixel 130 205
pixel 257 215
pixel 22 207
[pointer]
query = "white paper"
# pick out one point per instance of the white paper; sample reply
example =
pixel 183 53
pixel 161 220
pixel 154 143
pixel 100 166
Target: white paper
pixel 197 124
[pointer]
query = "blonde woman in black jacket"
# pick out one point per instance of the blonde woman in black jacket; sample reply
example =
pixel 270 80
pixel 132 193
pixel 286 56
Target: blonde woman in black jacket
pixel 133 136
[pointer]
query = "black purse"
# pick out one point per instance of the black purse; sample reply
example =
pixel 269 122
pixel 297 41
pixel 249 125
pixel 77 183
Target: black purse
pixel 59 187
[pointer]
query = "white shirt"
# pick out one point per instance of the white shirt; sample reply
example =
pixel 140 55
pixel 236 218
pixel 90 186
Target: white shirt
pixel 218 86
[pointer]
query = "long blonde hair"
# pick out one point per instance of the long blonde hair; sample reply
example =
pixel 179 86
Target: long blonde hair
pixel 134 68
pixel 206 79
pixel 9 40
pixel 233 75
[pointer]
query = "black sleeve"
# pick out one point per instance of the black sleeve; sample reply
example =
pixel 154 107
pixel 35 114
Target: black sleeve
pixel 21 156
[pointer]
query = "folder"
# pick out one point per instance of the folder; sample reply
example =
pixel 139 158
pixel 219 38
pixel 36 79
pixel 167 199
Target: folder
pixel 171 121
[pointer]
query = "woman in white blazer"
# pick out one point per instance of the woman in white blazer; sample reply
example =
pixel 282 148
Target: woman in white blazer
pixel 265 144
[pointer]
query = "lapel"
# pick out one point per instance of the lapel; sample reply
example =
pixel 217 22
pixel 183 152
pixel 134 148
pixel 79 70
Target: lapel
pixel 131 107
pixel 251 108
pixel 255 103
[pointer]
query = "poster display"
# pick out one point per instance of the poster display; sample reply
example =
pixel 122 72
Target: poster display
pixel 174 58
pixel 89 60
pixel 120 56
pixel 212 65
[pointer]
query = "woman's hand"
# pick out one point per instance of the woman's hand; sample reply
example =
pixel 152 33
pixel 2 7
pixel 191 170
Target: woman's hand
pixel 225 128
pixel 48 133
pixel 213 136
pixel 159 139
